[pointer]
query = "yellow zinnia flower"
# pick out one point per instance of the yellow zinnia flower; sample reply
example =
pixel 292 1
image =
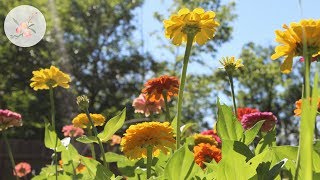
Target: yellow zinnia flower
pixel 139 137
pixel 198 23
pixel 291 42
pixel 230 64
pixel 82 120
pixel 46 78
pixel 201 138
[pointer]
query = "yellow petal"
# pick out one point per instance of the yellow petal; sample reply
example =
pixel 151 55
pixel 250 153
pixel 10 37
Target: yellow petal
pixel 286 66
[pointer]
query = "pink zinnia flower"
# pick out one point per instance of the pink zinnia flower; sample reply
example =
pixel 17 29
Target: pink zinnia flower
pixel 249 120
pixel 22 169
pixel 115 140
pixel 71 131
pixel 146 107
pixel 9 119
pixel 213 134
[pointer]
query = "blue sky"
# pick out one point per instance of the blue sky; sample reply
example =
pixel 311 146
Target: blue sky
pixel 256 22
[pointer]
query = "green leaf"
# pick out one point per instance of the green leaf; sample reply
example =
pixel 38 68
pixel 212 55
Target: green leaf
pixel 51 139
pixel 228 126
pixel 181 165
pixel 112 126
pixel 250 134
pixel 233 164
pixel 87 139
pixel 33 30
pixel 268 140
pixel 15 21
pixel 96 170
pixel 70 158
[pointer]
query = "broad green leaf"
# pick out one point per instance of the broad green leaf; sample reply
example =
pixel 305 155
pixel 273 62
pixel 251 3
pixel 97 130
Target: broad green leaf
pixel 250 134
pixel 268 140
pixel 228 126
pixel 96 170
pixel 87 139
pixel 112 126
pixel 181 165
pixel 114 157
pixel 70 159
pixel 233 164
pixel 51 139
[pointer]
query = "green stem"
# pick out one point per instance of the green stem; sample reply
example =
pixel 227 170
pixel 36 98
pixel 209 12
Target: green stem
pixel 149 161
pixel 93 152
pixel 304 158
pixel 99 141
pixel 13 164
pixel 182 84
pixel 54 129
pixel 168 118
pixel 232 93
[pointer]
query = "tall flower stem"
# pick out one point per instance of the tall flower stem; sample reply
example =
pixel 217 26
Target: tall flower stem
pixel 182 84
pixel 232 93
pixel 53 123
pixel 149 161
pixel 99 141
pixel 304 159
pixel 165 97
pixel 93 152
pixel 13 164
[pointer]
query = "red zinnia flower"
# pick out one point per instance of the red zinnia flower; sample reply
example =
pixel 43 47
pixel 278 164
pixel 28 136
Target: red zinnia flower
pixel 214 134
pixel 154 88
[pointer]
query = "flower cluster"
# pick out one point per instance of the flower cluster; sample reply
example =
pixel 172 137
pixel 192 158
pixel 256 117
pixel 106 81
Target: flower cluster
pixel 214 134
pixel 197 23
pixel 292 40
pixel 242 111
pixel 9 119
pixel 139 137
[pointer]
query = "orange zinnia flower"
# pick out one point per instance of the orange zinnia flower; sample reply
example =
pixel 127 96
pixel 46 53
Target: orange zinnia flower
pixel 205 152
pixel 298 110
pixel 154 88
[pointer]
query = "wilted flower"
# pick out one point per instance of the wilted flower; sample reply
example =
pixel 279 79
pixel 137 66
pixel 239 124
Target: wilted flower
pixel 205 152
pixel 154 88
pixel 22 169
pixel 242 111
pixel 249 120
pixel 46 78
pixel 9 119
pixel 142 105
pixel 201 138
pixel 230 64
pixel 82 120
pixel 72 131
pixel 139 137
pixel 291 42
pixel 115 139
pixel 197 23
pixel 298 110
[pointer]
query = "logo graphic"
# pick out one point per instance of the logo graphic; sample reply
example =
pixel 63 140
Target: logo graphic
pixel 25 26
